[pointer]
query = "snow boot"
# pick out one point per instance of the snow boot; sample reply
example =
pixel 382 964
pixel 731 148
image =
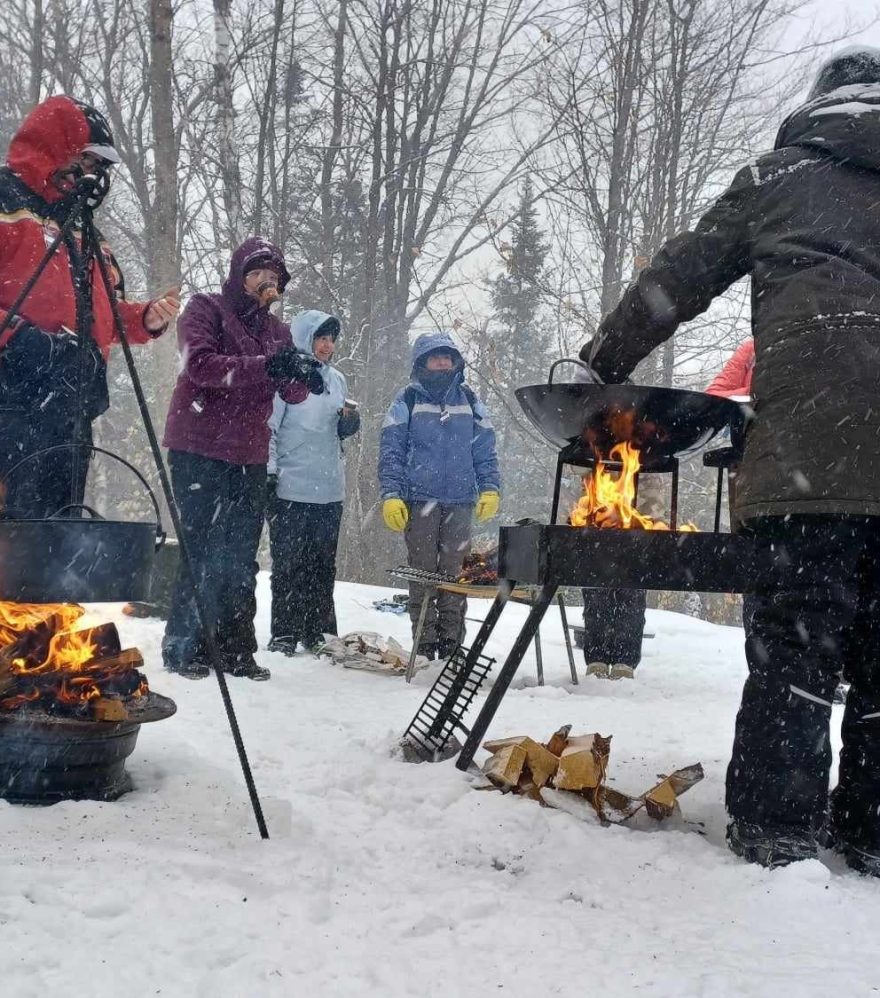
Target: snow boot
pixel 427 651
pixel 245 666
pixel 285 644
pixel 770 847
pixel 621 671
pixel 601 670
pixel 860 860
pixel 445 649
pixel 190 670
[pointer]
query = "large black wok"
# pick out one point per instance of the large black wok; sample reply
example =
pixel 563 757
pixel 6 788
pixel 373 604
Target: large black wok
pixel 77 556
pixel 663 423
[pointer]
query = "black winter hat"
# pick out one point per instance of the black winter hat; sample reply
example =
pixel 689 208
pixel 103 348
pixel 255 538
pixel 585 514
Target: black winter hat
pixel 850 67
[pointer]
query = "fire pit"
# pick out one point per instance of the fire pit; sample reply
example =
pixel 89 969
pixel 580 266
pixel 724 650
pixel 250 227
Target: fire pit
pixel 71 705
pixel 620 432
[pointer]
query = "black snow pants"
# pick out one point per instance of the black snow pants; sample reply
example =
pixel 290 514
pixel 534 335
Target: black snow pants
pixel 221 508
pixel 614 623
pixel 797 643
pixel 303 538
pixel 41 486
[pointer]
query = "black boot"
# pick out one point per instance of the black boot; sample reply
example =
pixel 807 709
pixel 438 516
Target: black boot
pixel 243 665
pixel 770 847
pixel 286 644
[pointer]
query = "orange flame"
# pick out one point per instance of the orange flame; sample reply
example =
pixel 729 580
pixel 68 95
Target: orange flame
pixel 608 500
pixel 67 648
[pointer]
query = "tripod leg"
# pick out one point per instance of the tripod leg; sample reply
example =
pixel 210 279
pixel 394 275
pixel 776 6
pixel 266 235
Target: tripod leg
pixel 563 616
pixel 417 637
pixel 505 676
pixel 185 557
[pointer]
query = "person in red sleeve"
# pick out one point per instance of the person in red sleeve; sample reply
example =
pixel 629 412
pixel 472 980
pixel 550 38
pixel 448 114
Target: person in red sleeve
pixel 41 391
pixel 734 380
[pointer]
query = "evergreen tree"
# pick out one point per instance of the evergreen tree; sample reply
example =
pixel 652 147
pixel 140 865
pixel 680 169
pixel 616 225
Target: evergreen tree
pixel 519 348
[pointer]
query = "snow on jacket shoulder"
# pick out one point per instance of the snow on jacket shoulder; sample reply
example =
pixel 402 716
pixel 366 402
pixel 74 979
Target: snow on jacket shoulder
pixel 305 451
pixel 425 457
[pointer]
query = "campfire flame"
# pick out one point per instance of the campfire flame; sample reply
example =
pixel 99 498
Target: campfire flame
pixel 608 498
pixel 67 648
pixel 48 660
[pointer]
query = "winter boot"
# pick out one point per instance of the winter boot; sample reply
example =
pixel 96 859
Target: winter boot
pixel 445 649
pixel 244 666
pixel 601 670
pixel 860 860
pixel 314 645
pixel 189 670
pixel 621 671
pixel 286 645
pixel 770 847
pixel 427 651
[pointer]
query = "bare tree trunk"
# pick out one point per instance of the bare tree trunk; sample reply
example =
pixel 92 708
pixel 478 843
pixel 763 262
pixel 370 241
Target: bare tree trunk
pixel 227 155
pixel 36 67
pixel 162 247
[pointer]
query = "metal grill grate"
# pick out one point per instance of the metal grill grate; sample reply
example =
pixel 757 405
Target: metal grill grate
pixel 448 700
pixel 421 577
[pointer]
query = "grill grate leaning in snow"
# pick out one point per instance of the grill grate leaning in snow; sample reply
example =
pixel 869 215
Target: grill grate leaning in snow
pixel 443 709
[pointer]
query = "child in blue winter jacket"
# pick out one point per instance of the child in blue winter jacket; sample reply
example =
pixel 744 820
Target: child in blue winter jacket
pixel 437 468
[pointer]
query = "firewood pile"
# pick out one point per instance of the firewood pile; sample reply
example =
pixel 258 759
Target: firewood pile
pixel 569 772
pixel 370 652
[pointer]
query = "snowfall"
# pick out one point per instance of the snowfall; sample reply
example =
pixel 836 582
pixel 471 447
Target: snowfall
pixel 388 878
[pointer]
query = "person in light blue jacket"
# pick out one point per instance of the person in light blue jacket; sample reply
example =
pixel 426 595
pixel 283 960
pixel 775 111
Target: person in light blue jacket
pixel 306 490
pixel 437 467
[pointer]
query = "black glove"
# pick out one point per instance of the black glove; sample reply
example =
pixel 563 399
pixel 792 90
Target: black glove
pixel 291 364
pixel 315 383
pixel 349 424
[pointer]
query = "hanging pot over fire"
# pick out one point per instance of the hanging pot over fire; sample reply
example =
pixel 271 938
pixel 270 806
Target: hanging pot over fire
pixel 76 555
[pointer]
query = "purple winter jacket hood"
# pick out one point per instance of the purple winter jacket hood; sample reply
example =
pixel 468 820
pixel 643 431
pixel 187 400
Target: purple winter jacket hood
pixel 223 398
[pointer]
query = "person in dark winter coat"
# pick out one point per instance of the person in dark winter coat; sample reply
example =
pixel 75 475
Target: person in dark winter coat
pixel 41 391
pixel 437 467
pixel 236 355
pixel 306 490
pixel 802 222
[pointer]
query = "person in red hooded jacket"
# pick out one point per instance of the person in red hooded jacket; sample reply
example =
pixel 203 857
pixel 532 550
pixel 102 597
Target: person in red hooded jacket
pixel 43 386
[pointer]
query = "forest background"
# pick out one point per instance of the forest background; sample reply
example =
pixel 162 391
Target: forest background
pixel 499 168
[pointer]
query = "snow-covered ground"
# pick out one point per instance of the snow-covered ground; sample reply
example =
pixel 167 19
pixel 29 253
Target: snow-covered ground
pixel 388 879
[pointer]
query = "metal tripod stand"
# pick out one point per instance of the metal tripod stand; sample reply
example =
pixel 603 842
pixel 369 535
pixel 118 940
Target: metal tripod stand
pixel 87 194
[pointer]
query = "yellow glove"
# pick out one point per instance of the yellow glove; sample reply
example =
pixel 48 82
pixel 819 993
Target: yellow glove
pixel 395 514
pixel 487 505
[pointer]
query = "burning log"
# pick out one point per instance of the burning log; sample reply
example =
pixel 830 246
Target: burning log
pixel 480 568
pixel 46 663
pixel 608 502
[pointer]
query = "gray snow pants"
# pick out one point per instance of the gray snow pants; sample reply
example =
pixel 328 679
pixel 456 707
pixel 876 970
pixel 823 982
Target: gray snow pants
pixel 437 539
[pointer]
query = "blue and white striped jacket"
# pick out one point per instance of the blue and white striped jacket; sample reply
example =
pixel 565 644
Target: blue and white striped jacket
pixel 425 458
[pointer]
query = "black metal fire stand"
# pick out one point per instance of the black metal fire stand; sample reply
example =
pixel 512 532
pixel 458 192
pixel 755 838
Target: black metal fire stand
pixel 90 191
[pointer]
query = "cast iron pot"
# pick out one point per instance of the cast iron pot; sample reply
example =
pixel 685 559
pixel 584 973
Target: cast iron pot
pixel 663 423
pixel 76 555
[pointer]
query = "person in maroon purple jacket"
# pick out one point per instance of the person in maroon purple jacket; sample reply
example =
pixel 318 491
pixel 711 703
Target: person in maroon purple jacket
pixel 235 355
